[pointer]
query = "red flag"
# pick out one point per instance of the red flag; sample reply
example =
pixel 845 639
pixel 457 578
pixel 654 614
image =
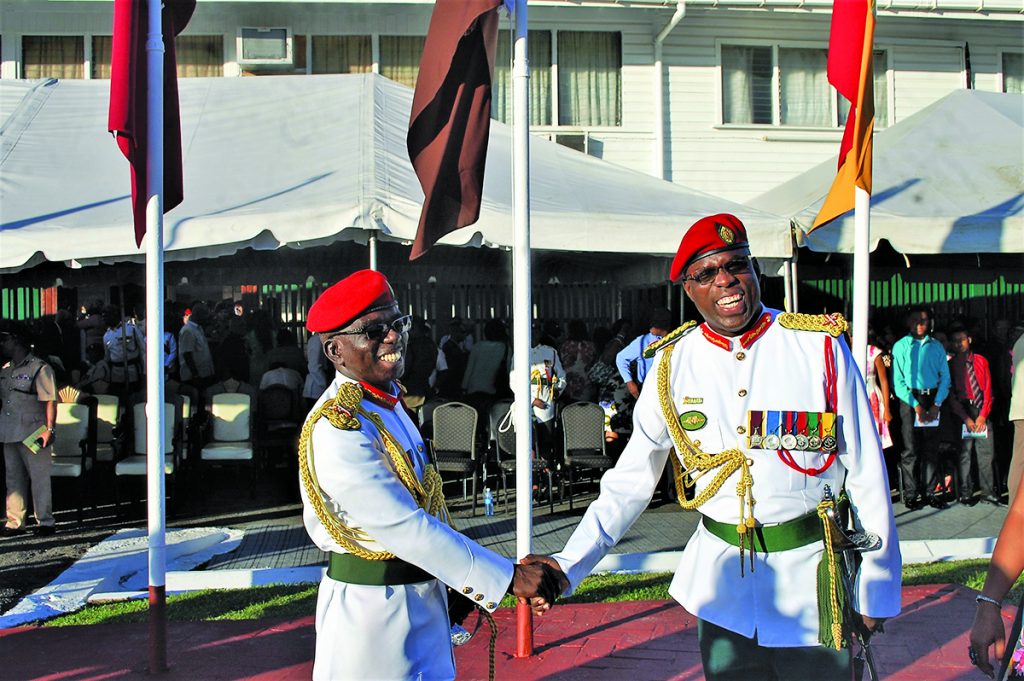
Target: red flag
pixel 128 80
pixel 451 116
pixel 850 54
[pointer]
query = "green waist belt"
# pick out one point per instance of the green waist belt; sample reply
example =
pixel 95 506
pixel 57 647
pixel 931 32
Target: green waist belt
pixel 349 568
pixel 772 538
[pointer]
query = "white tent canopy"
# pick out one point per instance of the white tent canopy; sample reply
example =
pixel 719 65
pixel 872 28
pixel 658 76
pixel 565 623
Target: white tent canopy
pixel 949 179
pixel 302 161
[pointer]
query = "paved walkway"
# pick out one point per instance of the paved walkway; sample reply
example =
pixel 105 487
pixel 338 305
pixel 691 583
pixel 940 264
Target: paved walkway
pixel 641 641
pixel 651 544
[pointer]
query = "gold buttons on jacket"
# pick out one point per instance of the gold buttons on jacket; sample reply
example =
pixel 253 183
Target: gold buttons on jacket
pixel 467 590
pixel 742 393
pixel 478 597
pixel 741 356
pixel 491 605
pixel 740 430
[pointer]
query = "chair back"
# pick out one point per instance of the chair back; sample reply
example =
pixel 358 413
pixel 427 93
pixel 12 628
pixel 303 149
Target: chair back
pixel 426 415
pixel 139 421
pixel 231 415
pixel 497 413
pixel 583 428
pixel 71 429
pixel 455 428
pixel 107 408
pixel 276 403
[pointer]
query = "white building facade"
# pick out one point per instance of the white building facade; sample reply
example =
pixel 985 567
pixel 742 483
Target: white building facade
pixel 741 84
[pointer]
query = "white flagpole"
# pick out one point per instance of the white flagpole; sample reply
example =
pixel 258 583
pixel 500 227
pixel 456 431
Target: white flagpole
pixel 155 341
pixel 861 276
pixel 522 312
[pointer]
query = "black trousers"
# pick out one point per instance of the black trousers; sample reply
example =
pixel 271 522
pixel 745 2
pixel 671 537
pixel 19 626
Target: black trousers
pixel 728 656
pixel 984 451
pixel 919 461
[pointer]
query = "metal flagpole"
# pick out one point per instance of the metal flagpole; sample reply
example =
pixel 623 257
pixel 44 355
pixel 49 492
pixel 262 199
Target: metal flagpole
pixel 155 341
pixel 861 276
pixel 522 313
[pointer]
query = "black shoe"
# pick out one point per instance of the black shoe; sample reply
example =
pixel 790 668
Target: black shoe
pixel 44 530
pixel 11 531
pixel 914 503
pixel 967 501
pixel 935 502
pixel 992 499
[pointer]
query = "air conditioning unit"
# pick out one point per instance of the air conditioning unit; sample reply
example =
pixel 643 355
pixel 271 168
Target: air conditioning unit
pixel 261 45
pixel 573 140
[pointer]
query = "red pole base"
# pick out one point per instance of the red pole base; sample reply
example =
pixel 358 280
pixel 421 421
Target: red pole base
pixel 157 629
pixel 524 630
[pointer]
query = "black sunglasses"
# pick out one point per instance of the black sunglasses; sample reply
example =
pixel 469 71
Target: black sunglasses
pixel 735 267
pixel 378 332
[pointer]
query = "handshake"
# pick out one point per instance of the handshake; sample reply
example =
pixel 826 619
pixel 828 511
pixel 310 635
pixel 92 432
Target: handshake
pixel 538 580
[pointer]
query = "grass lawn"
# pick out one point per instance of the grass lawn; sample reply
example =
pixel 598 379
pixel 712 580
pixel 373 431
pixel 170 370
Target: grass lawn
pixel 299 600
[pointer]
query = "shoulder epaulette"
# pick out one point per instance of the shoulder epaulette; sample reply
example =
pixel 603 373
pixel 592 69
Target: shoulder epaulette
pixel 341 411
pixel 669 339
pixel 834 324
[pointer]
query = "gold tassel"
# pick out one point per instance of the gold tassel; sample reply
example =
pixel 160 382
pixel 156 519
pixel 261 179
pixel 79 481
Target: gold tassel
pixel 831 595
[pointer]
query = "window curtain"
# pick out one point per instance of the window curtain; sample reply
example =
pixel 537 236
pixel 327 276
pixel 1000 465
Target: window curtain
pixel 881 85
pixel 1013 72
pixel 804 88
pixel 400 57
pixel 199 56
pixel 53 56
pixel 101 47
pixel 342 54
pixel 746 85
pixel 589 78
pixel 538 44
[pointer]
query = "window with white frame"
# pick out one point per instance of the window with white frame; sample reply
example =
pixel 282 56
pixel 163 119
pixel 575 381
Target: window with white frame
pixel 1013 72
pixel 53 56
pixel 539 48
pixel 400 57
pixel 788 86
pixel 342 54
pixel 588 65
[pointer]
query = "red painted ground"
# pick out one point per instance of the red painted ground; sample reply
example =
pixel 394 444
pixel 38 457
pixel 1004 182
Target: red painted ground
pixel 654 641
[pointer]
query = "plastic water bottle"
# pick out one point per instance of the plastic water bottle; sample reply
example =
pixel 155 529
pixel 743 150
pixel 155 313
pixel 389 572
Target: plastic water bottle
pixel 488 501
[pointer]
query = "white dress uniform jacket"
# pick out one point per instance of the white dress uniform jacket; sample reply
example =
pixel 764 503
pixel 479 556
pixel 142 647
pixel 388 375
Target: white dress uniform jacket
pixel 398 631
pixel 780 370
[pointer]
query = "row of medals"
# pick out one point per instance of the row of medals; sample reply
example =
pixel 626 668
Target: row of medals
pixel 795 441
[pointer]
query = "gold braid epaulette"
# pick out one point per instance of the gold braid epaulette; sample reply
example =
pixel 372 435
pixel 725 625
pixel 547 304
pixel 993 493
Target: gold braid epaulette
pixel 698 462
pixel 669 339
pixel 342 413
pixel 834 324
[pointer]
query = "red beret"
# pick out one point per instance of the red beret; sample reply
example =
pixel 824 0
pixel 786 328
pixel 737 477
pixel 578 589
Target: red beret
pixel 350 298
pixel 713 234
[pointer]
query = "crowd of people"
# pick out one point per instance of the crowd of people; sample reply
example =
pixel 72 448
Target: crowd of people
pixel 940 395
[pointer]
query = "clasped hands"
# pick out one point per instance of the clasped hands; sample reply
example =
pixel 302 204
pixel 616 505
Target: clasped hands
pixel 538 580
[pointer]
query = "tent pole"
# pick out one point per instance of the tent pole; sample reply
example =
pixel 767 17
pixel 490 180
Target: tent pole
pixel 861 276
pixel 522 313
pixel 155 342
pixel 796 287
pixel 373 250
pixel 787 285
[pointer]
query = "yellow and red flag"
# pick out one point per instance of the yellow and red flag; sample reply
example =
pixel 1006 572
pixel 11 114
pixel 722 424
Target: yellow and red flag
pixel 850 71
pixel 451 115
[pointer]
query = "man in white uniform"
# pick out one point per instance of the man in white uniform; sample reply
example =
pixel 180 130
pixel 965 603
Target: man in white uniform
pixel 373 501
pixel 765 410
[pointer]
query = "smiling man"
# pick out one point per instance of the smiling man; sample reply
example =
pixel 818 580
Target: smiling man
pixel 372 500
pixel 766 417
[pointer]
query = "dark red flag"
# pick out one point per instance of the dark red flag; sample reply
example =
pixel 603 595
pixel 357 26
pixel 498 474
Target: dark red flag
pixel 128 80
pixel 451 116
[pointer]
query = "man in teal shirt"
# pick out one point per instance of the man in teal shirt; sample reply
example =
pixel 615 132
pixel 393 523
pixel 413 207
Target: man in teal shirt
pixel 921 382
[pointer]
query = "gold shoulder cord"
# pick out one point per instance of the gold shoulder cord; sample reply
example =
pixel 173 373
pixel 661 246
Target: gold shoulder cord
pixel 833 324
pixel 341 412
pixel 697 463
